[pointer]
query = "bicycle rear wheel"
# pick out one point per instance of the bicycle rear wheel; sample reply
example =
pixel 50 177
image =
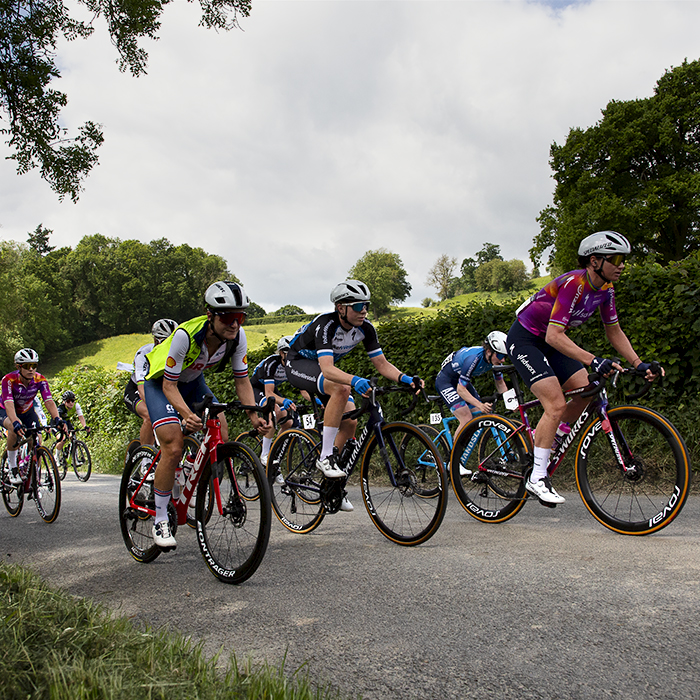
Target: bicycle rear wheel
pixel 82 461
pixel 252 440
pixel 234 534
pixel 12 496
pixel 137 526
pixel 488 465
pixel 295 482
pixel 46 486
pixel 409 510
pixel 653 491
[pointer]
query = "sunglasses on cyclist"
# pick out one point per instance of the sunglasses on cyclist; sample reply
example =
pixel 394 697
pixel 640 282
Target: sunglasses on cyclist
pixel 231 317
pixel 616 259
pixel 499 355
pixel 359 306
pixel 29 365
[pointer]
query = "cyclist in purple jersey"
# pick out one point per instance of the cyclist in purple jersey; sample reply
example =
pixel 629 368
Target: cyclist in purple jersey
pixel 19 389
pixel 550 362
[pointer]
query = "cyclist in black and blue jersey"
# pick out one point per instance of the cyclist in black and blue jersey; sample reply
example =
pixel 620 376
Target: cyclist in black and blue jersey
pixel 454 380
pixel 267 376
pixel 311 366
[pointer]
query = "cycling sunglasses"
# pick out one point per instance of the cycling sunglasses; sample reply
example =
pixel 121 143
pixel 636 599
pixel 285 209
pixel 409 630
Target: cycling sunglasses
pixel 29 365
pixel 616 259
pixel 359 306
pixel 231 317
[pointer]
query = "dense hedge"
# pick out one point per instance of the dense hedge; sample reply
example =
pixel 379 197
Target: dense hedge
pixel 659 308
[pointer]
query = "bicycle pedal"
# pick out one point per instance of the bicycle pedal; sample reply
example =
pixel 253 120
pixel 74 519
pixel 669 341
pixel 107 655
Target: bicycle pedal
pixel 547 505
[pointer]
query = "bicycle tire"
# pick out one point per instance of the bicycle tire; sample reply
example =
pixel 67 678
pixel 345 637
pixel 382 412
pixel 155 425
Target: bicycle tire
pixel 82 461
pixel 12 495
pixel 137 527
pixel 233 540
pixel 402 512
pixel 251 440
pixel 297 501
pixel 649 497
pixel 46 486
pixel 491 442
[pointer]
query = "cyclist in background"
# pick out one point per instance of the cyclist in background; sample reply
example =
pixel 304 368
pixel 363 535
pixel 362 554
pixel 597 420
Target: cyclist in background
pixel 133 392
pixel 311 366
pixel 550 362
pixel 267 376
pixel 175 383
pixel 68 410
pixel 17 404
pixel 454 380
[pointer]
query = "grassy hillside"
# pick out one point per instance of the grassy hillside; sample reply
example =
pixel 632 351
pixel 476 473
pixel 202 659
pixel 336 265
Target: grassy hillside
pixel 106 353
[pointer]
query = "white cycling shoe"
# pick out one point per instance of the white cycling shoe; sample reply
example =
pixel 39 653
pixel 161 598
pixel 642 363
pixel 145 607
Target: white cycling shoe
pixel 544 491
pixel 163 537
pixel 327 466
pixel 346 506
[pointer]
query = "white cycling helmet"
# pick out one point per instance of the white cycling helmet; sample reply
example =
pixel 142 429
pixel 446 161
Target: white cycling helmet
pixel 162 328
pixel 226 295
pixel 349 292
pixel 283 342
pixel 604 243
pixel 496 340
pixel 26 355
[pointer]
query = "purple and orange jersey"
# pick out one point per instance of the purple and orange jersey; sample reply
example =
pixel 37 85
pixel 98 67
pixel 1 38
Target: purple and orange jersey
pixel 567 301
pixel 23 396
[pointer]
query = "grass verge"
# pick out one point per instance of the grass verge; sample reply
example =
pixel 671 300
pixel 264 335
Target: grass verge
pixel 55 646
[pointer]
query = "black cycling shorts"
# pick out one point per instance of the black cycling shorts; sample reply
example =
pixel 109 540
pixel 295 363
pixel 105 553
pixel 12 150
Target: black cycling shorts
pixel 132 396
pixel 535 359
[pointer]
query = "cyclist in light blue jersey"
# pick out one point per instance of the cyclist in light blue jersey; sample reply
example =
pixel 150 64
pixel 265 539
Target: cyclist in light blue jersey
pixel 454 381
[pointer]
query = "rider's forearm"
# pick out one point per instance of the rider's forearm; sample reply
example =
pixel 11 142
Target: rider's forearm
pixel 333 373
pixel 621 343
pixel 172 393
pixel 51 408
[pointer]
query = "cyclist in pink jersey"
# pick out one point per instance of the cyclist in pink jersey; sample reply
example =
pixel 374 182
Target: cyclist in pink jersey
pixel 550 362
pixel 19 388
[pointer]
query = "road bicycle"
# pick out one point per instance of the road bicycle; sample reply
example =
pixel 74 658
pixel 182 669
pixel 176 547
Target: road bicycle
pixel 40 479
pixel 632 467
pixel 232 513
pixel 443 438
pixel 75 452
pixel 405 500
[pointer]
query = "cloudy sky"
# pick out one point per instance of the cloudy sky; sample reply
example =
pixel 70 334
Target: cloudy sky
pixel 328 128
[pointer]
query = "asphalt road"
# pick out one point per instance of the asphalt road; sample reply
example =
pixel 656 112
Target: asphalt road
pixel 548 605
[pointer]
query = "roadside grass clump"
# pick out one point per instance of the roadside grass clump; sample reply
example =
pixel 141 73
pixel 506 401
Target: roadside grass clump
pixel 56 646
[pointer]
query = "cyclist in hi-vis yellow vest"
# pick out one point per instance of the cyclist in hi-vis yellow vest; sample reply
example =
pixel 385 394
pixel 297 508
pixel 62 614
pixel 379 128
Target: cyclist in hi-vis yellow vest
pixel 175 383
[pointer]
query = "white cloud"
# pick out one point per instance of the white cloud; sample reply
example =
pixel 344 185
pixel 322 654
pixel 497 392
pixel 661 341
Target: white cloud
pixel 325 129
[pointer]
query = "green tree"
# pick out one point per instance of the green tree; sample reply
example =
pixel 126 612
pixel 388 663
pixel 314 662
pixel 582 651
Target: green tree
pixel 501 276
pixel 29 33
pixel 441 274
pixel 39 240
pixel 637 171
pixel 289 310
pixel 488 252
pixel 255 310
pixel 383 272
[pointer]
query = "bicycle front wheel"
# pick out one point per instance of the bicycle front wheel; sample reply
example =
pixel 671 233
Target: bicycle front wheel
pixel 488 465
pixel 653 490
pixel 82 462
pixel 46 486
pixel 233 535
pixel 404 484
pixel 252 440
pixel 12 496
pixel 137 525
pixel 295 481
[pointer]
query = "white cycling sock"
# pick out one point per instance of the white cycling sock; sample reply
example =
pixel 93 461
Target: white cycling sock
pixel 328 440
pixel 162 500
pixel 12 458
pixel 267 443
pixel 539 468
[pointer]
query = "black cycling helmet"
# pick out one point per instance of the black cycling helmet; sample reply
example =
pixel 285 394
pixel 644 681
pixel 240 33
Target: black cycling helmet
pixel 68 396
